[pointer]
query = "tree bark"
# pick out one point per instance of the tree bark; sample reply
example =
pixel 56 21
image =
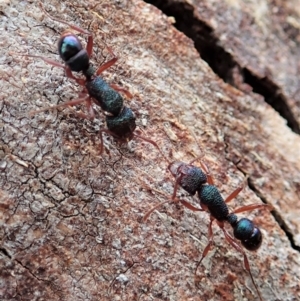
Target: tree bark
pixel 71 218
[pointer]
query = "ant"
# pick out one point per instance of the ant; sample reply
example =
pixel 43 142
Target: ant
pixel 194 179
pixel 120 120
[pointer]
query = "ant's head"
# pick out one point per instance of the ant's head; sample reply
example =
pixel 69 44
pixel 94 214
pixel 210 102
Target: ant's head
pixel 174 167
pixel 249 235
pixel 189 177
pixel 72 52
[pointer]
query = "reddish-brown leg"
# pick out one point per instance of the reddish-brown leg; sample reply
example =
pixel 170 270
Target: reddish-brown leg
pixel 234 194
pixel 154 208
pixel 109 133
pixel 90 108
pixel 64 22
pixel 178 180
pixel 196 159
pixel 109 63
pixel 210 179
pixel 125 140
pixel 189 206
pixel 237 246
pixel 151 142
pixel 69 74
pixel 183 202
pixel 48 61
pixel 120 89
pixel 106 65
pixel 252 207
pixel 73 102
pixel 208 246
pixel 91 111
pixel 89 46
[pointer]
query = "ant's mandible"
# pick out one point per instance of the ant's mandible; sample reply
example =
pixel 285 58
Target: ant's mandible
pixel 120 120
pixel 194 179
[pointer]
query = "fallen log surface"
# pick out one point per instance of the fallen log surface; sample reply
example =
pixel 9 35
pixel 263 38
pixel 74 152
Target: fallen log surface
pixel 71 218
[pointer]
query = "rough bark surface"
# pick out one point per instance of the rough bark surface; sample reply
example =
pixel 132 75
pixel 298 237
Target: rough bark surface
pixel 250 44
pixel 71 219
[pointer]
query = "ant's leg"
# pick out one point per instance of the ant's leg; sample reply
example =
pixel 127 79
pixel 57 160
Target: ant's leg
pixel 208 247
pixel 189 206
pixel 90 108
pixel 73 102
pixel 196 159
pixel 49 61
pixel 178 180
pixel 64 104
pixel 106 65
pixel 109 133
pixel 101 141
pixel 69 74
pixel 65 22
pixel 158 205
pixel 154 208
pixel 237 246
pixel 91 115
pixel 81 115
pixel 147 140
pixel 252 207
pixel 6 76
pixel 236 191
pixel 234 194
pixel 210 179
pixel 89 46
pixel 183 202
pixel 120 89
pixel 55 64
pixel 123 140
pixel 151 142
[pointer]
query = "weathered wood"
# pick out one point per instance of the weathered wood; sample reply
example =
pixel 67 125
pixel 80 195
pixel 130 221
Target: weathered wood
pixel 71 219
pixel 250 44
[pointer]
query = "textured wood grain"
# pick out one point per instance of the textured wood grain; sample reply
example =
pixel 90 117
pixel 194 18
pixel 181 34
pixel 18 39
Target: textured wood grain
pixel 250 44
pixel 71 224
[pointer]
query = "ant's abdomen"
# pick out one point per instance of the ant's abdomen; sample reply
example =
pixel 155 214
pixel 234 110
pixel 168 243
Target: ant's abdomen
pixel 122 125
pixel 249 235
